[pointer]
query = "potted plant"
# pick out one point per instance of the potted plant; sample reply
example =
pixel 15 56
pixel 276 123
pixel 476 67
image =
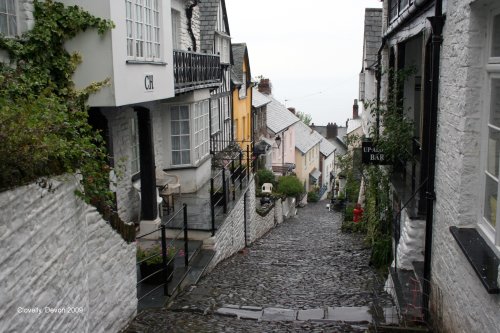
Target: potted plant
pixel 151 261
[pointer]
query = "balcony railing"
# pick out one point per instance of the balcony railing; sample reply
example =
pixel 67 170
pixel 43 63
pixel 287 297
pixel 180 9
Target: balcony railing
pixel 196 70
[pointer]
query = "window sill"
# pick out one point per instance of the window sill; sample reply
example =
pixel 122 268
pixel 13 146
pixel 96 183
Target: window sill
pixel 146 62
pixel 480 256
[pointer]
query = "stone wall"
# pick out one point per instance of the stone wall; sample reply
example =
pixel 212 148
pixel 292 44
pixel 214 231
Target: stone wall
pixel 59 255
pixel 459 301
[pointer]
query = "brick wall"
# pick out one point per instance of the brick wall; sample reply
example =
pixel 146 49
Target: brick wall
pixel 58 253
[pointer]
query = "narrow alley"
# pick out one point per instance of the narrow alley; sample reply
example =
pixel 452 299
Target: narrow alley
pixel 304 275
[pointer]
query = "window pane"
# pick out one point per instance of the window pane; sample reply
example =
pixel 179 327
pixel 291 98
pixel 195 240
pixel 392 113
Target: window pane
pixel 3 6
pixel 184 127
pixel 495 103
pixel 185 142
pixel 184 112
pixel 185 157
pixel 174 111
pixel 490 200
pixel 495 44
pixel 3 24
pixel 176 143
pixel 493 152
pixel 176 157
pixel 176 129
pixel 12 25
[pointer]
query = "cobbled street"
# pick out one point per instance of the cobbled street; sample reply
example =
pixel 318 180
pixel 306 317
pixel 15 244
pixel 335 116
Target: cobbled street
pixel 305 263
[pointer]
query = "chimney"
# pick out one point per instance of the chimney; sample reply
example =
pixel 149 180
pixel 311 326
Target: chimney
pixel 331 130
pixel 355 109
pixel 264 86
pixel 292 110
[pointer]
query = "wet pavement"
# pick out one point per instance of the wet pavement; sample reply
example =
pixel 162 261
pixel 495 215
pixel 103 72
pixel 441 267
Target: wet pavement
pixel 303 276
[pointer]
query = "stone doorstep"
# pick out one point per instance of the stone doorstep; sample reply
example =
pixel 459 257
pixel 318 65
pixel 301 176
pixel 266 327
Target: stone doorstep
pixel 350 315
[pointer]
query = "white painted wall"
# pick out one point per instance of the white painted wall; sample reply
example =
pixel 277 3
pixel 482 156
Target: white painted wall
pixel 106 57
pixel 57 253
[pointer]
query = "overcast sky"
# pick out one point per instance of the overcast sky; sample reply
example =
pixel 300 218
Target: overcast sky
pixel 310 50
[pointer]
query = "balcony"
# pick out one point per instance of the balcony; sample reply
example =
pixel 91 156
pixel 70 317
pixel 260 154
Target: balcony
pixel 196 71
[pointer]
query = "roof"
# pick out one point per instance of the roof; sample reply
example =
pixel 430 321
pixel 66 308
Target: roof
pixel 279 117
pixel 259 99
pixel 208 21
pixel 325 147
pixel 315 173
pixel 305 137
pixel 238 58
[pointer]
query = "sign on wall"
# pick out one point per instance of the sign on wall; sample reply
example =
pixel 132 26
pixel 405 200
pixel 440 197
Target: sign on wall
pixel 372 155
pixel 149 82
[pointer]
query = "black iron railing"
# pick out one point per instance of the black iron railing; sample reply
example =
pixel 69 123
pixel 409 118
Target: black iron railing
pixel 165 271
pixel 194 70
pixel 228 184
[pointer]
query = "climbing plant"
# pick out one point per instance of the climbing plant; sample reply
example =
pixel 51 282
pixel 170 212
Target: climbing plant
pixel 43 119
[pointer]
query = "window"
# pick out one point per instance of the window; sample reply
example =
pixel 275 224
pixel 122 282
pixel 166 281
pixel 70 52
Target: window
pixel 8 18
pixel 215 119
pixel 176 24
pixel 243 88
pixel 143 29
pixel 201 135
pixel 225 107
pixel 179 126
pixel 134 135
pixel 222 48
pixel 491 149
pixel 396 7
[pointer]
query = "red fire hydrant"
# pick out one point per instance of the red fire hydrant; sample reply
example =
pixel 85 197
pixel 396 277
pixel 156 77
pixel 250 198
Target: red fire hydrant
pixel 357 213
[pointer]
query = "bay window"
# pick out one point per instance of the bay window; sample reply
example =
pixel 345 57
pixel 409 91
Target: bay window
pixel 143 29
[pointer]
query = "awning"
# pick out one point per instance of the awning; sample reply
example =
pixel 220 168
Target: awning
pixel 315 174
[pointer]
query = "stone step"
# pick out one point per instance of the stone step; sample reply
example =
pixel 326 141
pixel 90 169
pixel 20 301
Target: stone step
pixel 198 267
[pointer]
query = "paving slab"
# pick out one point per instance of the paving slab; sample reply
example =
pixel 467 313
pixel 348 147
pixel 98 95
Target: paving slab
pixel 349 314
pixel 279 314
pixel 242 314
pixel 311 314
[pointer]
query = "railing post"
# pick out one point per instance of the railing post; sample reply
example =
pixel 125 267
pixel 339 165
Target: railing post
pixel 224 189
pixel 240 171
pixel 248 163
pixel 212 205
pixel 186 253
pixel 165 273
pixel 232 180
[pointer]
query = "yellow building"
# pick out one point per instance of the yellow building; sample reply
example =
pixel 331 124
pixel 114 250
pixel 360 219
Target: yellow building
pixel 307 155
pixel 242 97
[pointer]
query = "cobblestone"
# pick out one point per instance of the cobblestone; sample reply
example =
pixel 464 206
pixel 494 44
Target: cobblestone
pixel 305 263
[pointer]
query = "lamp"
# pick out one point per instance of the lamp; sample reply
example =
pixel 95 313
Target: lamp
pixel 278 141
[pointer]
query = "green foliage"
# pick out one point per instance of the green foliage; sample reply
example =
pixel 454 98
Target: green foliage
pixel 290 186
pixel 266 176
pixel 306 118
pixel 312 196
pixel 43 118
pixel 154 254
pixel 397 129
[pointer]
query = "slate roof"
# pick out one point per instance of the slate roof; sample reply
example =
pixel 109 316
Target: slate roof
pixel 259 99
pixel 208 21
pixel 278 116
pixel 325 147
pixel 305 137
pixel 238 58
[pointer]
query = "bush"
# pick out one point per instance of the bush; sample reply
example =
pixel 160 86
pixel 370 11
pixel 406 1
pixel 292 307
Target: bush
pixel 312 196
pixel 266 176
pixel 290 186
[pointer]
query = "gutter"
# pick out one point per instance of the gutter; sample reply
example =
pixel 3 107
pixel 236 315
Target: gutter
pixel 409 14
pixel 437 23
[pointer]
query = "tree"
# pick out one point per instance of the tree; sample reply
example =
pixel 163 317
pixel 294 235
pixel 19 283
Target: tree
pixel 306 118
pixel 290 186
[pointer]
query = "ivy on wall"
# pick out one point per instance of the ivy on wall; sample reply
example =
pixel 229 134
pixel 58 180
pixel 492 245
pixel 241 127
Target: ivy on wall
pixel 44 127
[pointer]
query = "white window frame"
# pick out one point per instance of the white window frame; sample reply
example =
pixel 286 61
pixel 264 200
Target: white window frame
pixel 201 130
pixel 135 160
pixel 11 13
pixel 143 30
pixel 176 29
pixel 181 136
pixel 215 117
pixel 492 69
pixel 243 88
pixel 222 48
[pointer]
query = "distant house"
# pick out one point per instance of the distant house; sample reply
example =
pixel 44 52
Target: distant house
pixel 242 97
pixel 280 132
pixel 307 155
pixel 263 145
pixel 327 163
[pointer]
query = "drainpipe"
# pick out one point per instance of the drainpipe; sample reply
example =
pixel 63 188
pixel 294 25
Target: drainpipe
pixel 379 84
pixel 437 23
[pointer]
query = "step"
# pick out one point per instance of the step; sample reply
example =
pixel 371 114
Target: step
pixel 198 267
